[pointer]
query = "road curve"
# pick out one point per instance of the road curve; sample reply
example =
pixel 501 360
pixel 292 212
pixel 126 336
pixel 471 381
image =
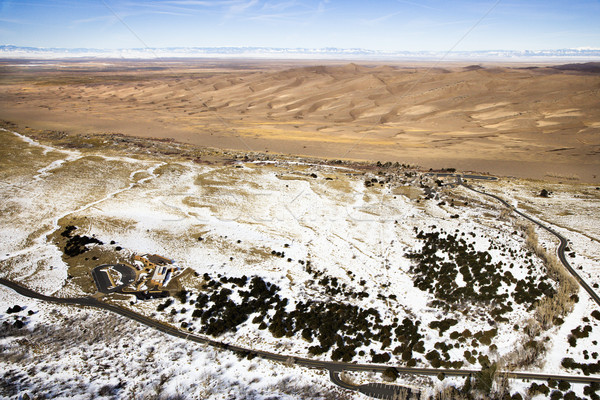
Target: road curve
pixel 560 251
pixel 304 362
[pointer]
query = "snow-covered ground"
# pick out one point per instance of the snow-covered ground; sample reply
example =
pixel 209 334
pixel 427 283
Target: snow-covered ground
pixel 573 210
pixel 267 220
pixel 66 352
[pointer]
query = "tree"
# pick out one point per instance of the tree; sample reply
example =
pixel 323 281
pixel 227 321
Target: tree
pixel 391 374
pixel 544 193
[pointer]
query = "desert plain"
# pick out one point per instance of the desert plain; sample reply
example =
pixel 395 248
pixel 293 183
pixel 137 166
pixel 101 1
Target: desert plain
pixel 533 121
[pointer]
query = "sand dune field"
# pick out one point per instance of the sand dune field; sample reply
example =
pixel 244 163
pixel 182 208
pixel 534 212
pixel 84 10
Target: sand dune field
pixel 531 121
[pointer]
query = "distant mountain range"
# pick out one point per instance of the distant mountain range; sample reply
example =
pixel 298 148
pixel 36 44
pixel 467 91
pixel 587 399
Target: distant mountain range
pixel 10 51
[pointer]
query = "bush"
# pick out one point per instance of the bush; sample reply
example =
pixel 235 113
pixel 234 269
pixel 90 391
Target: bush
pixel 391 374
pixel 536 389
pixel 564 385
pixel 556 395
pixel 14 309
pixel 571 396
pixel 380 358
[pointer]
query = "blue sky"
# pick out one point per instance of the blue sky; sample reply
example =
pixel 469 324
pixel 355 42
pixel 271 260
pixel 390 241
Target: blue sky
pixel 391 25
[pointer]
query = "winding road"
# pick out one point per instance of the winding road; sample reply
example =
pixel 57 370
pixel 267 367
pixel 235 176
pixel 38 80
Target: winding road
pixel 373 390
pixel 376 390
pixel 560 251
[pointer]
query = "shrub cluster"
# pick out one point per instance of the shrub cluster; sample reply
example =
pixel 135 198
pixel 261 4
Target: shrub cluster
pixel 587 369
pixel 334 326
pixel 482 278
pixel 77 244
pixel 332 286
pixel 14 309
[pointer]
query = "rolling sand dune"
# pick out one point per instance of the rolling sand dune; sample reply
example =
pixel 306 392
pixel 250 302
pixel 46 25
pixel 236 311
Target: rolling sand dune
pixel 510 120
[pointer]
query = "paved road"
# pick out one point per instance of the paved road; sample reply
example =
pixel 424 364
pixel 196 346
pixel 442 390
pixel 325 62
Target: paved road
pixel 561 248
pixel 333 367
pixel 373 390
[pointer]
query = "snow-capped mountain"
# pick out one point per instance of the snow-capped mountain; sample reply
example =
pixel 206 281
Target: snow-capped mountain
pixel 10 51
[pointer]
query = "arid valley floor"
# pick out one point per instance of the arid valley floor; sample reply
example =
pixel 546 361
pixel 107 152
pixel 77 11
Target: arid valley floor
pixel 517 119
pixel 325 214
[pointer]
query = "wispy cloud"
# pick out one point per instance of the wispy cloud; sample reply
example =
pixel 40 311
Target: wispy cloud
pixel 113 19
pixel 253 10
pixel 290 11
pixel 420 5
pixel 277 17
pixel 280 5
pixel 241 7
pixel 12 21
pixel 378 20
pixel 201 3
pixel 17 21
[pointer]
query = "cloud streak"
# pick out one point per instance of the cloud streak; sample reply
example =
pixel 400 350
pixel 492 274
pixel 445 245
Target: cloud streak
pixel 420 5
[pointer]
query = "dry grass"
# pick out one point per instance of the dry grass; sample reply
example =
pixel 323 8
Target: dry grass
pixel 411 192
pixel 546 310
pixel 566 177
pixel 80 266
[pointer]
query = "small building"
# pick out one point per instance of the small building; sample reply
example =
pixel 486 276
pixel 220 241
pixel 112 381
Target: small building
pixel 161 269
pixel 145 261
pixel 158 260
pixel 159 275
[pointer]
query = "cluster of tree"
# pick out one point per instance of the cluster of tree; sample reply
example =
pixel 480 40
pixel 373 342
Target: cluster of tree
pixel 14 309
pixel 18 324
pixel 374 181
pixel 147 295
pixel 442 360
pixel 443 325
pixel 334 326
pixel 557 393
pixel 407 334
pixel 76 245
pixel 482 278
pixel 529 290
pixel 332 286
pixel 591 389
pixel 163 306
pixel 220 314
pixel 280 254
pixel 578 333
pixel 587 369
pixel 238 281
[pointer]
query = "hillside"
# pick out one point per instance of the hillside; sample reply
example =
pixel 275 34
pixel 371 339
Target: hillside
pixel 339 261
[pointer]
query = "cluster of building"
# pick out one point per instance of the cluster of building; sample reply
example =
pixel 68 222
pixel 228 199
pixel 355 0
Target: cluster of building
pixel 161 269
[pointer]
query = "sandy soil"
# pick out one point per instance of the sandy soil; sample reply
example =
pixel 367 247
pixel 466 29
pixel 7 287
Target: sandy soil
pixel 527 121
